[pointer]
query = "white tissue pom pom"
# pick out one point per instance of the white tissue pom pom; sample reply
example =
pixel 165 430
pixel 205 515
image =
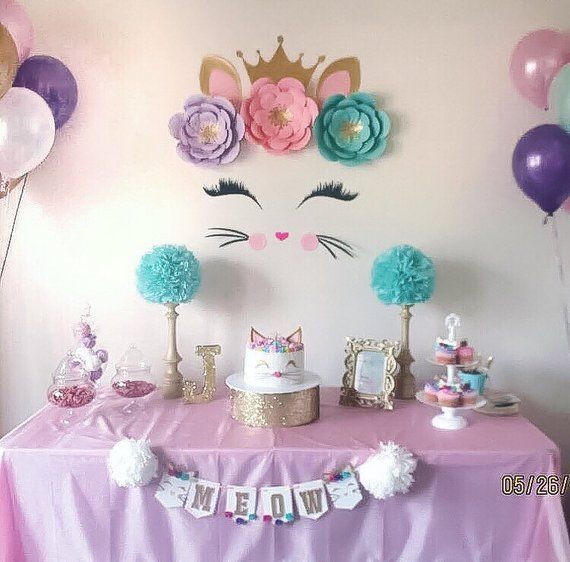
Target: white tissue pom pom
pixel 388 472
pixel 132 463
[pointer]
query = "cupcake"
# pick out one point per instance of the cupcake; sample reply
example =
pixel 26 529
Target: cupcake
pixel 430 391
pixel 469 397
pixel 445 356
pixel 448 397
pixel 465 353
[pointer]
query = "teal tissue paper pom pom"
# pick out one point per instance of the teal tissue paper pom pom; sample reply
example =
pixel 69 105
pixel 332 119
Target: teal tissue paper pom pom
pixel 168 274
pixel 403 275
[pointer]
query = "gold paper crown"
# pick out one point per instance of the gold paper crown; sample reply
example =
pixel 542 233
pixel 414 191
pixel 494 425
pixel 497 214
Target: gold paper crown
pixel 280 66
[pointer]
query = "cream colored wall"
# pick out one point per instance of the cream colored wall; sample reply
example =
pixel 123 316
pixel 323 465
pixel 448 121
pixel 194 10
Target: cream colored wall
pixel 113 187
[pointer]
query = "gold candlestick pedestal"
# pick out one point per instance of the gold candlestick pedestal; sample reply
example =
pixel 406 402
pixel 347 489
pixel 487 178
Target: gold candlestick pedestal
pixel 405 380
pixel 172 381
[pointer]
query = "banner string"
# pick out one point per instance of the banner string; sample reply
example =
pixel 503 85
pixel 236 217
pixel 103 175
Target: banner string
pixel 562 278
pixel 13 227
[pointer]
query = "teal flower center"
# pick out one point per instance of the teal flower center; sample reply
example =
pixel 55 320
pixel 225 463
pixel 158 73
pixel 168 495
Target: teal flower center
pixel 351 130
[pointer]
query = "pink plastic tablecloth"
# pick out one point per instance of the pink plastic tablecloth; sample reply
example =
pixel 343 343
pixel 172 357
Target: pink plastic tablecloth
pixel 58 504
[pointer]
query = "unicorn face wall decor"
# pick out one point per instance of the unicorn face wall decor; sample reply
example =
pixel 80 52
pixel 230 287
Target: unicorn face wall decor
pixel 280 116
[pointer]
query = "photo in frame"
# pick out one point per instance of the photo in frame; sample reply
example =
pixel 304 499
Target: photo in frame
pixel 370 368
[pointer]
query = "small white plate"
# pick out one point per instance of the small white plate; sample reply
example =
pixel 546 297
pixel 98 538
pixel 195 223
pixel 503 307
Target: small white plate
pixel 490 409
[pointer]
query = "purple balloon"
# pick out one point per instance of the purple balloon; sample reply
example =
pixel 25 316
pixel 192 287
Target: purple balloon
pixel 541 165
pixel 51 79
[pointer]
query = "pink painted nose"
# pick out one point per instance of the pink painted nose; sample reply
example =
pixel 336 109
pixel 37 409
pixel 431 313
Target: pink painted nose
pixel 281 236
pixel 277 374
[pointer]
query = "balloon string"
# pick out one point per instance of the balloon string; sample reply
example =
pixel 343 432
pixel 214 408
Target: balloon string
pixel 13 228
pixel 562 279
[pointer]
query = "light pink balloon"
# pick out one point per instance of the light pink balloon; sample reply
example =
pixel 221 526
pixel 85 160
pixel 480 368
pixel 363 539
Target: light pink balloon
pixel 15 19
pixel 535 62
pixel 566 205
pixel 27 132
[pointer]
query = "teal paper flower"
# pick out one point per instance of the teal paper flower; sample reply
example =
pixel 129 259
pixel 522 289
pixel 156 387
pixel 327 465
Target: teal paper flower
pixel 351 130
pixel 403 275
pixel 168 274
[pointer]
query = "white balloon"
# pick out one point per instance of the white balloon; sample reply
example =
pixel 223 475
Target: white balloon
pixel 27 132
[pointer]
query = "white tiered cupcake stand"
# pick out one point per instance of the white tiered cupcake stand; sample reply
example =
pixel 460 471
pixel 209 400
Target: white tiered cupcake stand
pixel 450 418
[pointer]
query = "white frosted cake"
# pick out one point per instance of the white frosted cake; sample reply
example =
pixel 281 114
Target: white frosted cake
pixel 274 362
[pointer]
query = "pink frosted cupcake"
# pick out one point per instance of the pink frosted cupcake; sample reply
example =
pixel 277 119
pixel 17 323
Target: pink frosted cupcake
pixel 448 397
pixel 465 353
pixel 445 352
pixel 469 397
pixel 430 391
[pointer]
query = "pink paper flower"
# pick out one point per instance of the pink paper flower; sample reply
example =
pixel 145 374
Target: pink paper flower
pixel 279 116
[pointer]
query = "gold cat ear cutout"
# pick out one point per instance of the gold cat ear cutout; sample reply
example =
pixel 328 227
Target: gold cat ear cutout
pixel 219 77
pixel 340 77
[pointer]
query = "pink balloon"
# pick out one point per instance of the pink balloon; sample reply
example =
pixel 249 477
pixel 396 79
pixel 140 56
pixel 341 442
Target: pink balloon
pixel 535 62
pixel 15 19
pixel 566 205
pixel 27 132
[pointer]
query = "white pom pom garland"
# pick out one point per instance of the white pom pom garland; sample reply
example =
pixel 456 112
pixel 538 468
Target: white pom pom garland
pixel 388 472
pixel 132 463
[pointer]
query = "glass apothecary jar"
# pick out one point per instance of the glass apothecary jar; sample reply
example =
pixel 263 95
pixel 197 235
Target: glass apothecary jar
pixel 133 378
pixel 71 387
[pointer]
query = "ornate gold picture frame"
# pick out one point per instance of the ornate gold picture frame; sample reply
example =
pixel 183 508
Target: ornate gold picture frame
pixel 369 380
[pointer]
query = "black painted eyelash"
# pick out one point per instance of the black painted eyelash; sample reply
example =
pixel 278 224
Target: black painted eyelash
pixel 329 242
pixel 230 234
pixel 334 189
pixel 231 187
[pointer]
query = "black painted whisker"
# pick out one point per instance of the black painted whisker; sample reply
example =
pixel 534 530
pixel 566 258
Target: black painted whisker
pixel 234 241
pixel 330 242
pixel 341 248
pixel 230 230
pixel 226 235
pixel 337 240
pixel 327 248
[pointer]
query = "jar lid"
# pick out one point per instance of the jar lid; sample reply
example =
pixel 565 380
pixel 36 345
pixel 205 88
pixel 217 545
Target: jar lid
pixel 133 360
pixel 69 368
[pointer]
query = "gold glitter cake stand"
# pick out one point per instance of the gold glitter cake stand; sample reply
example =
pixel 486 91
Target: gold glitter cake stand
pixel 270 407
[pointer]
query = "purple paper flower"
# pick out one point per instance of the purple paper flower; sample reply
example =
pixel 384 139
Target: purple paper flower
pixel 89 341
pixel 208 132
pixel 96 375
pixel 102 355
pixel 81 330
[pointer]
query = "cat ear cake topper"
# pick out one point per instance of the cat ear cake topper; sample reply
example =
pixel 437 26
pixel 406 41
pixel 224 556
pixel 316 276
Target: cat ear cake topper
pixel 255 337
pixel 280 114
pixel 296 336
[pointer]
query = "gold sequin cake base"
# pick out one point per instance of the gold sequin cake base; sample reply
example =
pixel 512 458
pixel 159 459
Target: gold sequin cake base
pixel 275 410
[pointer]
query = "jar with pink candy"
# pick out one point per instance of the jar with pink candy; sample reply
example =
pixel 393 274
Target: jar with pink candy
pixel 72 387
pixel 133 378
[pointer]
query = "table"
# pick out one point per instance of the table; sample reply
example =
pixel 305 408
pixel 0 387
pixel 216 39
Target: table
pixel 58 504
